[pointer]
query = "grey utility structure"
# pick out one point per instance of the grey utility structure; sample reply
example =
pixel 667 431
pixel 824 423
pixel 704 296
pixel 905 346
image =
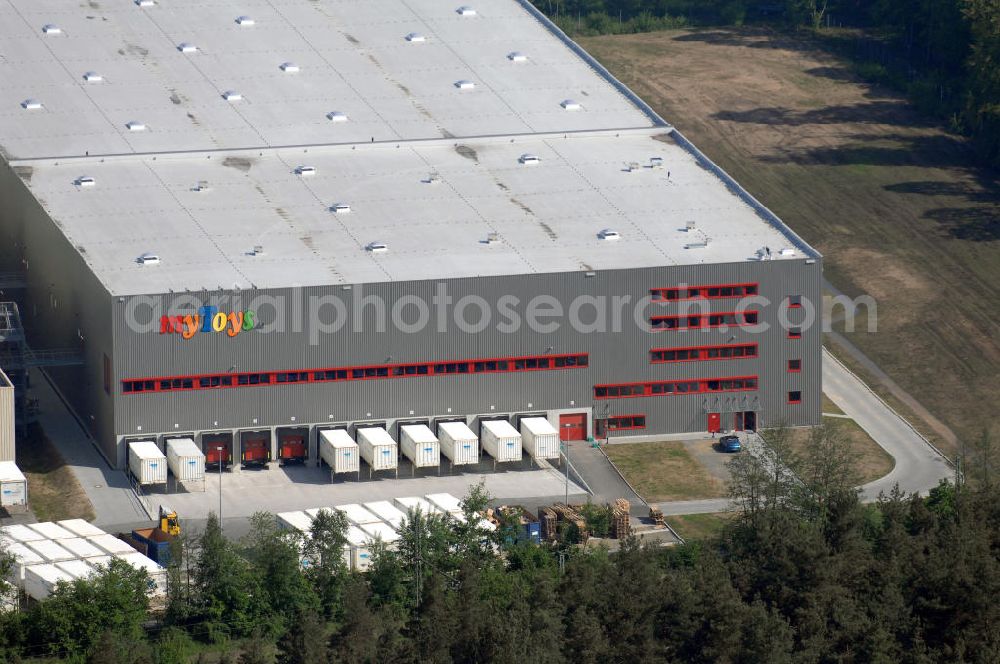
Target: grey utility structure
pixel 427 216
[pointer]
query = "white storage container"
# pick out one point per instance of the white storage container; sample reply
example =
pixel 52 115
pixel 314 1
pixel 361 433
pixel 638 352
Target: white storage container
pixel 356 514
pixel 313 512
pixel 445 502
pixel 382 532
pixel 20 533
pixel 386 511
pixel 458 443
pixel 361 555
pixel 185 460
pixel 41 580
pixel 541 439
pixel 99 563
pixel 23 557
pixel 339 451
pixel 52 531
pixel 81 528
pixel 50 551
pixel 501 441
pixel 147 463
pixel 13 485
pixel 409 503
pixel 420 445
pixel 378 448
pixel 79 569
pixel 157 574
pixel 110 544
pixel 80 547
pixel 299 521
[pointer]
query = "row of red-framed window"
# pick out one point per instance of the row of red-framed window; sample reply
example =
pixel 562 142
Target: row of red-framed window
pixel 625 422
pixel 664 388
pixel 706 292
pixel 702 353
pixel 704 321
pixel 371 372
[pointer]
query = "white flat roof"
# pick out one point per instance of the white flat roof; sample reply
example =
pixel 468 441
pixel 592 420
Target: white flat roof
pixel 496 180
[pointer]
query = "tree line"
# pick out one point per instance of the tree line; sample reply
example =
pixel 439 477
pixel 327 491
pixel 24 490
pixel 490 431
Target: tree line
pixel 944 54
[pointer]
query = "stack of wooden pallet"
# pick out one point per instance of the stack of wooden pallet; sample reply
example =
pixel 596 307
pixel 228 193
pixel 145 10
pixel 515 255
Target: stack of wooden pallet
pixel 569 515
pixel 550 523
pixel 656 514
pixel 620 518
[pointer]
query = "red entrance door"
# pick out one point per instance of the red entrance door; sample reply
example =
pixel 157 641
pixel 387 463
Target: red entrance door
pixel 714 423
pixel 573 426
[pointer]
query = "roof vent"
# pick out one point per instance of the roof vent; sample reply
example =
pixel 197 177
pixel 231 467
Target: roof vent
pixel 92 77
pixel 186 47
pixel 258 250
pixel 698 244
pixel 493 238
pixel 377 247
pixel 340 208
pixel 148 258
pixel 202 186
pixel 51 29
pixel 690 226
pixel 609 235
pixel 232 95
pixel 135 126
pixel 656 162
pixel 632 167
pixel 433 178
pixel 245 21
pixel 289 67
pixel 570 105
pixel 85 181
pixel 465 85
pixel 466 10
pixel 787 252
pixel 336 116
pixel 305 170
pixel 31 104
pixel 517 56
pixel 145 3
pixel 529 159
pixel 415 37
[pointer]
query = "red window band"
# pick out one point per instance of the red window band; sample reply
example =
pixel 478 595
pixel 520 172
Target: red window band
pixel 625 422
pixel 662 388
pixel 370 372
pixel 704 321
pixel 708 292
pixel 702 353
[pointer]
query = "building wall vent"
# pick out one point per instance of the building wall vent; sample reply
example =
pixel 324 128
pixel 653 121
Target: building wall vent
pixel 85 181
pixel 336 116
pixel 31 104
pixel 232 95
pixel 465 85
pixel 466 10
pixel 135 126
pixel 92 77
pixel 187 47
pixel 416 38
pixel 377 247
pixel 145 3
pixel 529 159
pixel 570 105
pixel 340 208
pixel 245 21
pixel 517 56
pixel 289 67
pixel 51 29
pixel 148 258
pixel 305 170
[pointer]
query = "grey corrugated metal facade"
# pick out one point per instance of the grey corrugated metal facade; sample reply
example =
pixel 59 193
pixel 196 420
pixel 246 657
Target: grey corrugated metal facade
pixel 6 418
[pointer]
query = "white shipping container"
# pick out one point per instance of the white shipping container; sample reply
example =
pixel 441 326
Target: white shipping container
pixel 21 533
pixel 80 569
pixel 157 574
pixel 23 557
pixel 501 441
pixel 420 445
pixel 50 551
pixel 356 514
pixel 13 485
pixel 386 511
pixel 541 439
pixel 41 580
pixel 52 531
pixel 339 451
pixel 80 547
pixel 378 448
pixel 313 512
pixel 410 503
pixel 81 528
pixel 382 532
pixel 361 555
pixel 458 443
pixel 110 544
pixel 186 460
pixel 147 463
pixel 444 502
pixel 100 562
pixel 294 521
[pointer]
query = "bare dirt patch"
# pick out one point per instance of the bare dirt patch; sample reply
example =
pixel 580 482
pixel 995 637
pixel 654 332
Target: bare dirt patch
pixel 53 490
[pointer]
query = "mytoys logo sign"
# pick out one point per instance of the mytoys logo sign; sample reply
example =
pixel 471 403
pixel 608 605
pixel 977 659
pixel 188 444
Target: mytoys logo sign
pixel 208 319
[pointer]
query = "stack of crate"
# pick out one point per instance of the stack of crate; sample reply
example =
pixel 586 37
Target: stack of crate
pixel 656 514
pixel 620 518
pixel 547 517
pixel 568 514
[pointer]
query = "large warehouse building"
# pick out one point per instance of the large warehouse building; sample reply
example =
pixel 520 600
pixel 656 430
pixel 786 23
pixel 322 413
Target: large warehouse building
pixel 258 220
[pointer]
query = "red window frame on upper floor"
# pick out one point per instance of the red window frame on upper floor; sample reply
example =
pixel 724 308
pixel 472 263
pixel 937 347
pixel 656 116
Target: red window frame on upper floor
pixel 354 373
pixel 704 292
pixel 704 321
pixel 795 333
pixel 703 353
pixel 795 396
pixel 795 368
pixel 630 422
pixel 680 387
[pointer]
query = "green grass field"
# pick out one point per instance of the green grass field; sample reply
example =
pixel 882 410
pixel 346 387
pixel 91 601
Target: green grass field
pixel 664 471
pixel 693 527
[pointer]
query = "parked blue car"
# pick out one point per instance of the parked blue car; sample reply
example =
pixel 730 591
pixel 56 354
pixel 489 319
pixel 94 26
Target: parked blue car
pixel 730 444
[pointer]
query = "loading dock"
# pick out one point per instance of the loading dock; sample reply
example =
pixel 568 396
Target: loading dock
pixel 458 443
pixel 339 451
pixel 378 448
pixel 419 444
pixel 500 440
pixel 293 444
pixel 255 448
pixel 218 449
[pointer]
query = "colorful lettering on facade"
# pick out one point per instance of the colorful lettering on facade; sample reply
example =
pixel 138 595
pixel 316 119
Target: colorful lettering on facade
pixel 208 319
